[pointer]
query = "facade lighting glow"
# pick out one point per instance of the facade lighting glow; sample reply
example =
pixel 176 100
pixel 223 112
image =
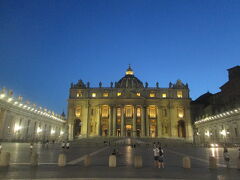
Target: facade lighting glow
pixel 222 115
pixel 31 108
pixel 17 128
pixel 52 131
pixel 207 133
pixel 10 99
pixel 2 96
pixel 39 130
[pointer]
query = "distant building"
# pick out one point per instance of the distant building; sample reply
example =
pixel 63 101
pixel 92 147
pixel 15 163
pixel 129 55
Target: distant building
pixel 22 121
pixel 129 108
pixel 217 116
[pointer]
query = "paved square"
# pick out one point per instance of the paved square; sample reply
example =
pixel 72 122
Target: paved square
pixel 99 152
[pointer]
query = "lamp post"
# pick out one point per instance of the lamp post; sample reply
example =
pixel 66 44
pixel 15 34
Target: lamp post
pixel 224 134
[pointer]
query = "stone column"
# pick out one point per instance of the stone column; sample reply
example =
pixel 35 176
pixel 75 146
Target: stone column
pixel 70 131
pixel 172 116
pixel 88 119
pixel 114 120
pixel 99 121
pixel 2 122
pixel 147 122
pixel 134 121
pixel 110 120
pixel 143 118
pixel 187 116
pixel 122 122
pixel 159 122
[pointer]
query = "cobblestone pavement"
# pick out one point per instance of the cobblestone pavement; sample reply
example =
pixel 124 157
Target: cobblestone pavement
pixel 20 155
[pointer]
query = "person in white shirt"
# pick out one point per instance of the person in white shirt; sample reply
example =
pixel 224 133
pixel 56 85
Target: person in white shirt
pixel 63 144
pixel 156 156
pixel 67 145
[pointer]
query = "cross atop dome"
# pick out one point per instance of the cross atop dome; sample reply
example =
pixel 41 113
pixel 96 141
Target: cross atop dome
pixel 129 70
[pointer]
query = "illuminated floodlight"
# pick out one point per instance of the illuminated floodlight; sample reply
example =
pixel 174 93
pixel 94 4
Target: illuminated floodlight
pixel 52 131
pixel 223 132
pixel 2 96
pixel 61 133
pixel 10 99
pixel 39 130
pixel 17 128
pixel 212 145
pixel 216 145
pixel 207 133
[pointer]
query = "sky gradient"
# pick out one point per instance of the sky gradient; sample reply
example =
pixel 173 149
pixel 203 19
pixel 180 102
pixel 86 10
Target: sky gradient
pixel 45 44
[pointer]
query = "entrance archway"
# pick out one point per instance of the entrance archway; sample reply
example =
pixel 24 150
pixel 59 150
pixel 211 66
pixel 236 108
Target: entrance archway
pixel 77 128
pixel 128 130
pixel 181 129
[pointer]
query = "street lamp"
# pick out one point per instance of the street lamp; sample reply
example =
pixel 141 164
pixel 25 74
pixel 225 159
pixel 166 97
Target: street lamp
pixel 224 134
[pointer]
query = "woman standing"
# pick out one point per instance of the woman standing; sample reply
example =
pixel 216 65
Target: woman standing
pixel 226 157
pixel 156 156
pixel 161 158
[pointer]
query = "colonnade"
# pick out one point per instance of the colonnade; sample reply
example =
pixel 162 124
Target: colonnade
pixel 144 123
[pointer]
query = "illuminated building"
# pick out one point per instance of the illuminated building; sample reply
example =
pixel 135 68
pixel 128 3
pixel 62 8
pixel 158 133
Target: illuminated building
pixel 129 108
pixel 217 116
pixel 22 121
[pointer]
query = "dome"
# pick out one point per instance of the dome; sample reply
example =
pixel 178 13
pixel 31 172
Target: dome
pixel 129 80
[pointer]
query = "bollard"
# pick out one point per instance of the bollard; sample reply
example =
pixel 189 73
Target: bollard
pixel 212 162
pixel 186 162
pixel 87 160
pixel 62 160
pixel 238 163
pixel 112 161
pixel 4 159
pixel 220 177
pixel 138 161
pixel 34 159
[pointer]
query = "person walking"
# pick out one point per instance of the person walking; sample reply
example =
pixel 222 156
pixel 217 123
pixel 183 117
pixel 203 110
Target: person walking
pixel 31 147
pixel 226 157
pixel 161 158
pixel 156 156
pixel 63 145
pixel 68 145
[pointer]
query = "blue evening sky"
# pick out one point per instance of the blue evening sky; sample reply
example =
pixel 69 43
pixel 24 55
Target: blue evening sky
pixel 45 44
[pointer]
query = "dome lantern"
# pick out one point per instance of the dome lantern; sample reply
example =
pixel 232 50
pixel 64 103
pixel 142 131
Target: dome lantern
pixel 129 70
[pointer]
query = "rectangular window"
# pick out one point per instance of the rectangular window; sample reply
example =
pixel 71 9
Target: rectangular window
pixel 94 95
pixel 179 94
pixel 79 94
pixel 105 94
pixel 105 111
pixel 164 95
pixel 138 94
pixel 118 112
pixel 180 112
pixel 152 95
pixel 78 111
pixel 138 112
pixel 119 94
pixel 128 111
pixel 152 112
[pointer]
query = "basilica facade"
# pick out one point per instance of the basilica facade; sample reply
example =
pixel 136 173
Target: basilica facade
pixel 129 108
